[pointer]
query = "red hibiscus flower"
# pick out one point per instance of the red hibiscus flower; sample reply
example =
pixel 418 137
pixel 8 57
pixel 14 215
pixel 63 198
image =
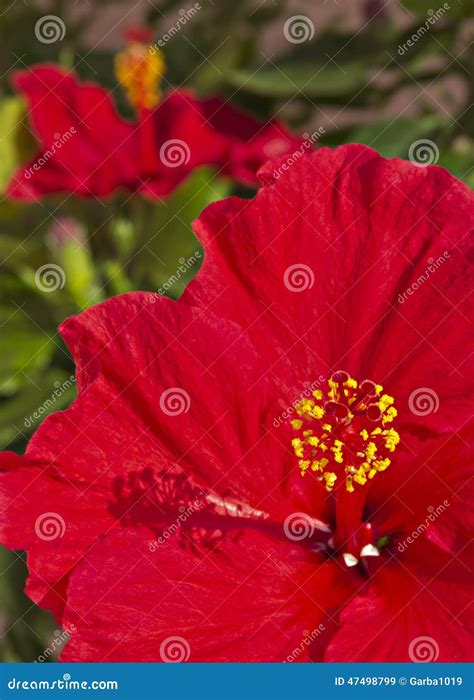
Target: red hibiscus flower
pixel 88 149
pixel 250 144
pixel 275 467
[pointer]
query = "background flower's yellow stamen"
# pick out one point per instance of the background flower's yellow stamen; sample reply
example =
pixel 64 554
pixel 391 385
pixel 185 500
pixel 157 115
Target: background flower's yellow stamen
pixel 333 440
pixel 140 71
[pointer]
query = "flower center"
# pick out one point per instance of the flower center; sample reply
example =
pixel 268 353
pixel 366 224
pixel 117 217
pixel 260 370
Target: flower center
pixel 140 68
pixel 343 432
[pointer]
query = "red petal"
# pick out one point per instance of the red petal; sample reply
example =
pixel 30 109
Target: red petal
pixel 250 142
pixel 96 150
pixel 51 517
pixel 430 491
pixel 414 609
pixel 252 600
pixel 138 353
pixel 361 230
pixel 179 140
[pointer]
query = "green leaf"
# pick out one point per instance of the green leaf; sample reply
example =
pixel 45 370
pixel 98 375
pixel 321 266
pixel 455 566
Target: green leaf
pixel 393 138
pixel 460 164
pixel 171 254
pixel 26 350
pixel 322 81
pixel 13 251
pixel 424 8
pixel 15 140
pixel 22 414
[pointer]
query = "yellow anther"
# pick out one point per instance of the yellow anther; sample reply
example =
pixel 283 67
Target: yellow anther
pixel 359 477
pixel 337 450
pixel 297 446
pixel 319 465
pixel 389 415
pixel 344 441
pixel 303 407
pixel 370 450
pixel 382 464
pixel 332 393
pixel 330 479
pixel 385 401
pixel 304 464
pixel 392 439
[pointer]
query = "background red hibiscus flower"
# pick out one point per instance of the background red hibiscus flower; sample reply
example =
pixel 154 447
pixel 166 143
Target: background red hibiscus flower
pixel 88 149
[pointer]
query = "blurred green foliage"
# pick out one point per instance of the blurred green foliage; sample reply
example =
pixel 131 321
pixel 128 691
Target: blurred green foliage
pixel 237 49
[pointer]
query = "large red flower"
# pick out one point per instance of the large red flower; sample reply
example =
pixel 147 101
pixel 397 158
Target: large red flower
pixel 232 482
pixel 88 149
